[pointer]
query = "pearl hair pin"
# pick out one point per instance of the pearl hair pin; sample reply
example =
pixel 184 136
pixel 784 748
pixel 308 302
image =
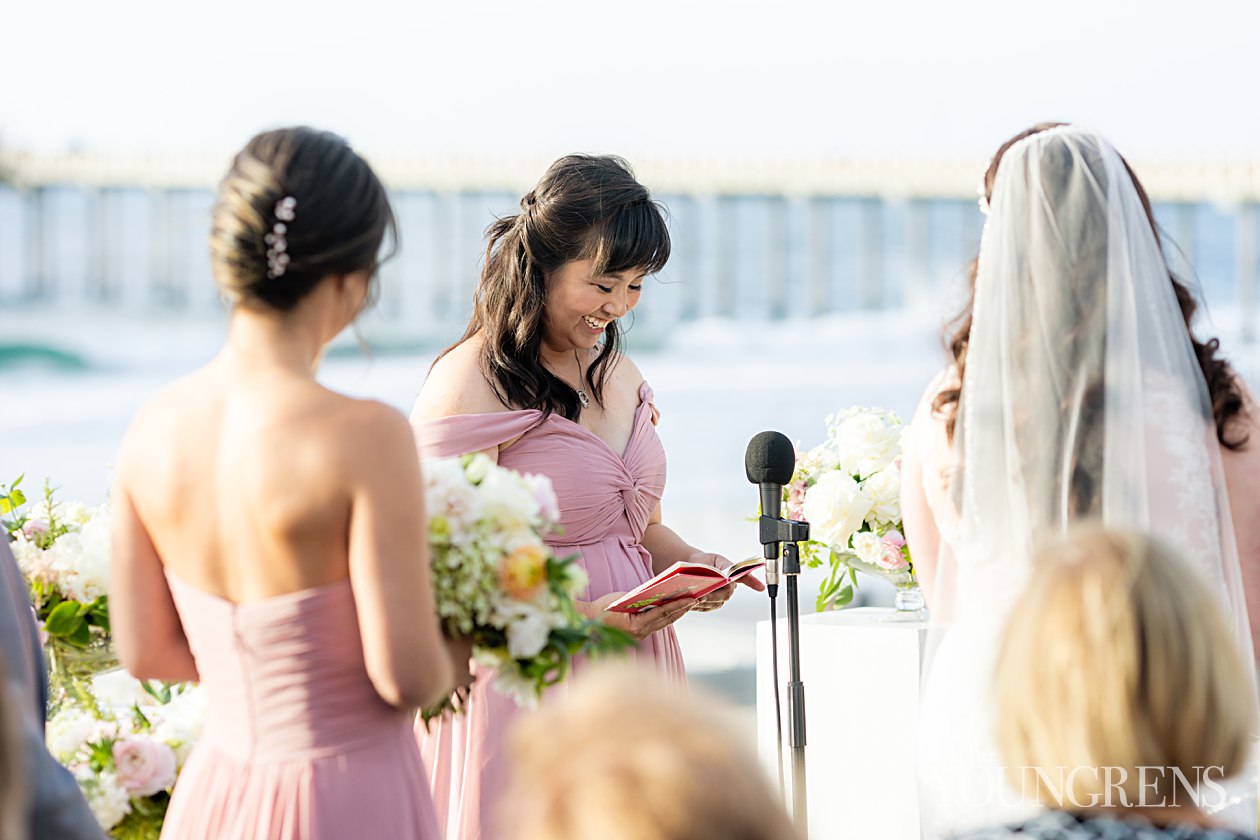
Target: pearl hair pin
pixel 277 253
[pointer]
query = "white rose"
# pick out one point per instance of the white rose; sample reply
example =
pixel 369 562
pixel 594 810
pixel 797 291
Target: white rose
pixel 179 722
pixel 448 494
pixel 867 441
pixel 73 513
pixel 68 732
pixel 835 507
pixel 506 496
pixel 78 569
pixel 508 682
pixel 821 458
pixel 528 634
pixel 824 457
pixel 884 490
pixel 35 563
pixel 93 560
pixel 868 547
pixel 441 476
pixel 460 503
pixel 105 796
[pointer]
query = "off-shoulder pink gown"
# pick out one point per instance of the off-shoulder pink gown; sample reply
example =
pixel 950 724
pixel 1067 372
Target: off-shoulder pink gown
pixel 605 501
pixel 297 743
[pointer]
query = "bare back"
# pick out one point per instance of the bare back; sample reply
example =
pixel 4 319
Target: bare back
pixel 241 481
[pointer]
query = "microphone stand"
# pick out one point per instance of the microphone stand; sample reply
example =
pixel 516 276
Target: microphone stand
pixel 789 533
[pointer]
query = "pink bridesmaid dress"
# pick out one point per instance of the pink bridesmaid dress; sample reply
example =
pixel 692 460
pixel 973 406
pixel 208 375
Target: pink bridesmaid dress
pixel 605 501
pixel 297 743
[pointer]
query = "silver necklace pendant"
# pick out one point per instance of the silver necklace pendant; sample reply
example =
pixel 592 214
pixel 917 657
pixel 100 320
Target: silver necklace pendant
pixel 581 392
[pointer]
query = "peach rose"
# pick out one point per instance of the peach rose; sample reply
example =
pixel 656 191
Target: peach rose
pixel 523 572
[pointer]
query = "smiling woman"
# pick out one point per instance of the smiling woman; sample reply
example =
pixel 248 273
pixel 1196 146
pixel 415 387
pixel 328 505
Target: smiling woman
pixel 557 277
pixel 538 383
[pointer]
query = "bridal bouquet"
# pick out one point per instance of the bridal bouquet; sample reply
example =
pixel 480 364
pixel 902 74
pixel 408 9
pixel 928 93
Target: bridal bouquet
pixel 849 490
pixel 496 581
pixel 62 549
pixel 126 750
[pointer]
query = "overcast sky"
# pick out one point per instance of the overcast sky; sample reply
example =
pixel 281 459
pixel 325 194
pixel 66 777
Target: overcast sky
pixel 721 78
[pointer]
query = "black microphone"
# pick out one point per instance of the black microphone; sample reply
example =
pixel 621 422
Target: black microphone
pixel 769 463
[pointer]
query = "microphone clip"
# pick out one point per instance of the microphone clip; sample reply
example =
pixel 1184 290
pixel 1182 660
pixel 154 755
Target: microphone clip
pixel 775 530
pixel 787 533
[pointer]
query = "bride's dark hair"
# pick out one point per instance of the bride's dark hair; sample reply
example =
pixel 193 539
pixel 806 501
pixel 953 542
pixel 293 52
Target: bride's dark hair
pixel 1226 399
pixel 585 207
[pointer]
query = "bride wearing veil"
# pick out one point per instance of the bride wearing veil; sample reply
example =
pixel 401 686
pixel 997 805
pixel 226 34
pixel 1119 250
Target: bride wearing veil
pixel 1076 392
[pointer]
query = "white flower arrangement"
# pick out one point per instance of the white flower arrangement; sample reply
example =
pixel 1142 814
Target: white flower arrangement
pixel 496 581
pixel 62 549
pixel 849 490
pixel 126 758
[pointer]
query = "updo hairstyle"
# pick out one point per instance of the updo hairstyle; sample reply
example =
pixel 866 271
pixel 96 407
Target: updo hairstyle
pixel 296 206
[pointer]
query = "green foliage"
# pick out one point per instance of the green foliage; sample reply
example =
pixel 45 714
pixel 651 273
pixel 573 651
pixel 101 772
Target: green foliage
pixel 12 498
pixel 145 820
pixel 70 621
pixel 162 693
pixel 102 754
pixel 65 621
pixel 838 589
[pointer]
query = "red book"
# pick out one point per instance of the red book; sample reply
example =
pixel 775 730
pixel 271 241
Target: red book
pixel 682 580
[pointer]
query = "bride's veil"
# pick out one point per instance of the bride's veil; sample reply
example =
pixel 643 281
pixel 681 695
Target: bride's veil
pixel 1082 395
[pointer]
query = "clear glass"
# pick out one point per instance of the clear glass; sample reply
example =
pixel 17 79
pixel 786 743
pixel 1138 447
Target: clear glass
pixel 71 669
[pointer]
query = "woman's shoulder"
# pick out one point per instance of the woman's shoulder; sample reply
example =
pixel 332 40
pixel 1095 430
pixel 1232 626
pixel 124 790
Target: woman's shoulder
pixel 624 388
pixel 180 404
pixel 625 372
pixel 456 384
pixel 925 410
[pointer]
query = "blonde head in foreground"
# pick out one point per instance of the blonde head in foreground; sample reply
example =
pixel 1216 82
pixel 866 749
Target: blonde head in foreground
pixel 1117 656
pixel 624 757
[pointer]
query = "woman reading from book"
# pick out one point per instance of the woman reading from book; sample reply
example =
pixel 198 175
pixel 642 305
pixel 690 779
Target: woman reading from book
pixel 538 383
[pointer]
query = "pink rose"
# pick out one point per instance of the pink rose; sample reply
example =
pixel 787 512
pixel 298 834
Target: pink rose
pixel 545 496
pixel 32 529
pixel 145 766
pixel 796 500
pixel 894 559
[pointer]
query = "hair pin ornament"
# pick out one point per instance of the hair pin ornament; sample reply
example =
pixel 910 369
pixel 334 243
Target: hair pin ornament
pixel 277 252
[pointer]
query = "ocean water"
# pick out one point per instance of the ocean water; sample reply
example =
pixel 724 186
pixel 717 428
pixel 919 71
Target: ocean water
pixel 771 315
pixel 717 383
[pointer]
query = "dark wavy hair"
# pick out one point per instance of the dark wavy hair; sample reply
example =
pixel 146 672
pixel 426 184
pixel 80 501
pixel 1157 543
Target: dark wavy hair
pixel 341 218
pixel 1226 399
pixel 584 207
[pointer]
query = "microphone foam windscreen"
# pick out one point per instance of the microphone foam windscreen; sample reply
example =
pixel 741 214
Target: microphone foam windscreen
pixel 770 459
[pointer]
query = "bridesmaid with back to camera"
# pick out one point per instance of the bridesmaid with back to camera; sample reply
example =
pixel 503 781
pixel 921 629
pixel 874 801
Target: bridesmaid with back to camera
pixel 266 537
pixel 538 382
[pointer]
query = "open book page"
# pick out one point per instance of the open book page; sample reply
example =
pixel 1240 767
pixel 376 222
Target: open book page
pixel 682 580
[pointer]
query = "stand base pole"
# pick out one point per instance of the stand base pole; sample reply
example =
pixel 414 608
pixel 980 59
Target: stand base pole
pixel 800 802
pixel 796 694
